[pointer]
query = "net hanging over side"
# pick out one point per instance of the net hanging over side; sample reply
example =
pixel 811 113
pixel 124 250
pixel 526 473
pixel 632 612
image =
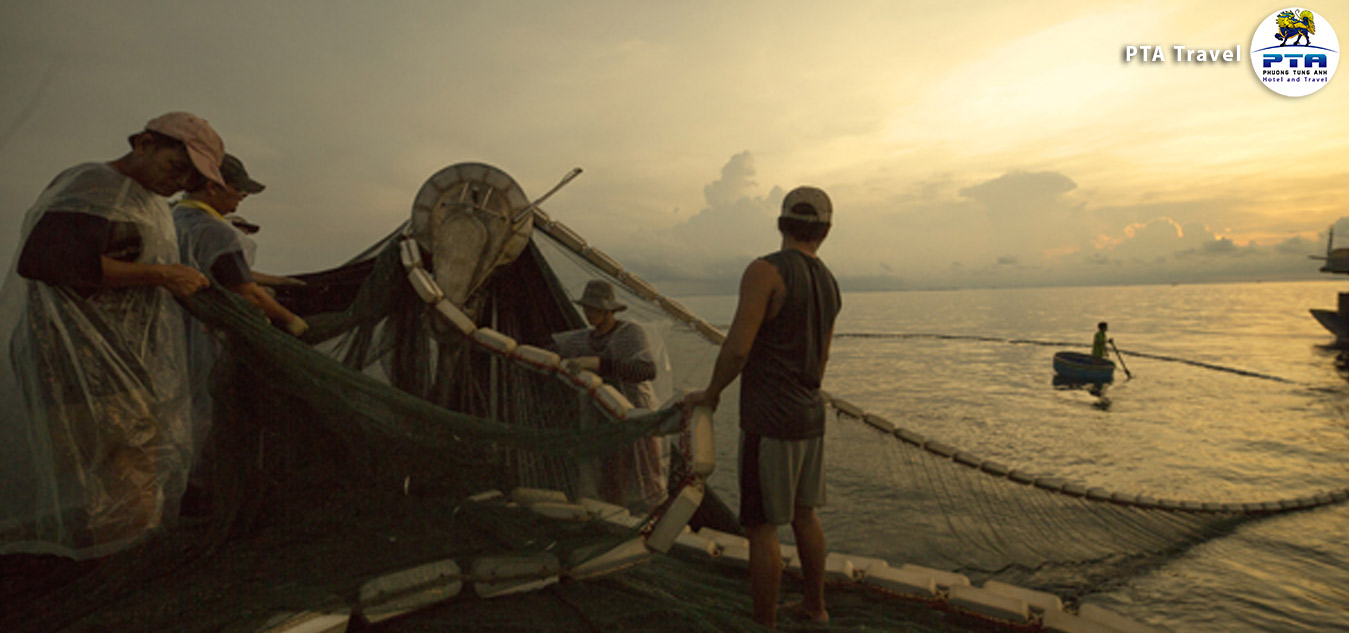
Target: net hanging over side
pixel 332 468
pixel 984 518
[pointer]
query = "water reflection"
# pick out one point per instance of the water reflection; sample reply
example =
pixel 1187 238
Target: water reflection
pixel 1097 389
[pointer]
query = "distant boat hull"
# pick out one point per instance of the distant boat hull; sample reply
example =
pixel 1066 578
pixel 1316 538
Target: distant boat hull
pixel 1076 366
pixel 1335 322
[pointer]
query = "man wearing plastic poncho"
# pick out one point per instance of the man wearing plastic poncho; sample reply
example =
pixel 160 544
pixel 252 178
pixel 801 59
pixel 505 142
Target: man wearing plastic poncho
pixel 633 477
pixel 95 440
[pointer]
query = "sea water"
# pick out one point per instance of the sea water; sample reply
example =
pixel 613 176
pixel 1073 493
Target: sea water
pixel 1234 397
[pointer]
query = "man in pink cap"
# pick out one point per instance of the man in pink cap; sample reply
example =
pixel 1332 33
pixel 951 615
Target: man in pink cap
pixel 95 437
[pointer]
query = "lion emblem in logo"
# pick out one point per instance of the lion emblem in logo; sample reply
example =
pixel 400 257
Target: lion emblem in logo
pixel 1293 27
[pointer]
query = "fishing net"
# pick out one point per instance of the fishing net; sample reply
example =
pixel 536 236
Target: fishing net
pixel 366 449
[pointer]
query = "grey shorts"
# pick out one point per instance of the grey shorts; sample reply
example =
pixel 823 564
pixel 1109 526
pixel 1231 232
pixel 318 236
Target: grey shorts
pixel 777 476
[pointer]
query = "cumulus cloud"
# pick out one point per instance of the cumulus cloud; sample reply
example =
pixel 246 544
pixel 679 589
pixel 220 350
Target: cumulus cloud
pixel 1019 228
pixel 1020 191
pixel 707 252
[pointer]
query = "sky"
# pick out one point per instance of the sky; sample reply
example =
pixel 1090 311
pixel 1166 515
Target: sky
pixel 964 144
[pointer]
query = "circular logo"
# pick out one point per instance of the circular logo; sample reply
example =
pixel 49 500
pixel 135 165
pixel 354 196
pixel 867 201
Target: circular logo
pixel 1294 52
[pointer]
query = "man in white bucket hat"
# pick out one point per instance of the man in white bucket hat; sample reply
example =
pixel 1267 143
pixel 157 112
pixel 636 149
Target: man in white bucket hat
pixel 620 352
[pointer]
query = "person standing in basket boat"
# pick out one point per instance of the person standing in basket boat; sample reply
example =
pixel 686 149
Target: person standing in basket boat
pixel 1098 343
pixel 779 339
pixel 208 242
pixel 621 354
pixel 95 435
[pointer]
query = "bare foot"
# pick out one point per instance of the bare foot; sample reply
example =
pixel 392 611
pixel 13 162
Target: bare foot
pixel 796 610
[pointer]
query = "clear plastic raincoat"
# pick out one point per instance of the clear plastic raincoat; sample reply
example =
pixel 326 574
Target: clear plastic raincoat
pixel 95 441
pixel 634 478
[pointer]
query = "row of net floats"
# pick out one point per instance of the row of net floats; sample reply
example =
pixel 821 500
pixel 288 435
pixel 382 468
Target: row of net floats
pixel 393 595
pixel 994 601
pixel 1076 489
pixel 410 590
pixel 642 288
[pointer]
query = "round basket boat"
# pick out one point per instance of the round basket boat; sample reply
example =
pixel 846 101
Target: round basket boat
pixel 1081 367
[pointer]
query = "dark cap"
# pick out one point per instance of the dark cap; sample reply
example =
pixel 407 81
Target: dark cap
pixel 809 204
pixel 237 177
pixel 600 296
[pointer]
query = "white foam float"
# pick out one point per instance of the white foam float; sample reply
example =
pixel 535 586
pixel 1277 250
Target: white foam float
pixel 734 555
pixel 569 238
pixel 494 340
pixel 878 422
pixel 409 590
pixel 529 496
pixel 456 317
pixel 677 310
pixel 671 524
pixel 487 495
pixel 587 380
pixel 910 437
pixel 495 576
pixel 1052 484
pixel 939 448
pixel 848 407
pixel 968 459
pixel 425 285
pixel 724 539
pixel 864 565
pixel 1124 499
pixel 944 579
pixel 839 567
pixel 601 509
pixel 1037 600
pixel 907 582
pixel 410 254
pixel 997 469
pixel 639 286
pixel 306 622
pixel 627 554
pixel 612 400
pixel 708 330
pixel 987 603
pixel 691 542
pixel 602 261
pixel 537 357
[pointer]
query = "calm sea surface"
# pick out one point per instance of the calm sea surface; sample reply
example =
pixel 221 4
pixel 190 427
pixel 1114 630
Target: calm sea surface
pixel 1233 399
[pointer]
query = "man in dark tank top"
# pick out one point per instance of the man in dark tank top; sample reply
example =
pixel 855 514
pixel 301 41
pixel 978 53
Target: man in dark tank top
pixel 778 344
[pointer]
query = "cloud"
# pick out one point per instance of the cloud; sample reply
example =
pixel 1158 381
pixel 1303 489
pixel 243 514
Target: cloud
pixel 713 246
pixel 1018 228
pixel 1020 191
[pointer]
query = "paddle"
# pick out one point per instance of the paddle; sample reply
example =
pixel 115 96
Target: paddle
pixel 1121 360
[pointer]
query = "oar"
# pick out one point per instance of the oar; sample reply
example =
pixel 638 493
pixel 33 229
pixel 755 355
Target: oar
pixel 1121 360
